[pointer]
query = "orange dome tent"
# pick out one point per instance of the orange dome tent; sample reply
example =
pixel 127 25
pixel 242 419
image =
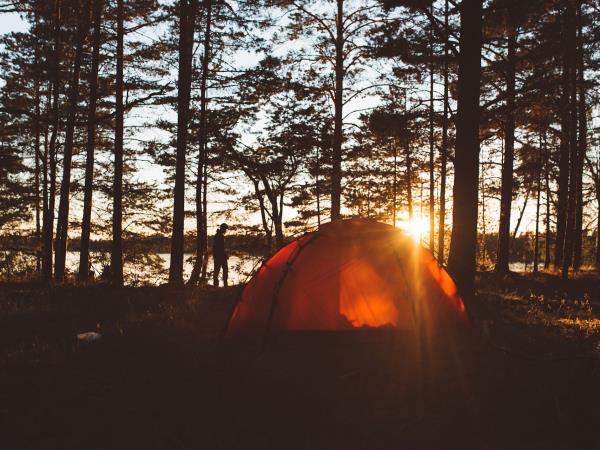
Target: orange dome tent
pixel 350 274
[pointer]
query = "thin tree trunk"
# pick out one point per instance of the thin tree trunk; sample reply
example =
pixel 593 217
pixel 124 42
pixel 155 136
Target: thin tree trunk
pixel 431 146
pixel 581 143
pixel 200 244
pixel 62 227
pixel 84 253
pixel 563 164
pixel 444 149
pixel 409 177
pixel 45 169
pixel 598 230
pixel 276 210
pixel 573 156
pixel 509 154
pixel 318 190
pixel 395 185
pixel 521 215
pixel 48 226
pixel 483 219
pixel 336 173
pixel 263 214
pixel 116 257
pixel 547 185
pixel 536 246
pixel 205 217
pixel 187 15
pixel 36 151
pixel 463 244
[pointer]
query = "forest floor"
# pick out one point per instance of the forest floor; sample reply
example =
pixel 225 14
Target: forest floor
pixel 526 377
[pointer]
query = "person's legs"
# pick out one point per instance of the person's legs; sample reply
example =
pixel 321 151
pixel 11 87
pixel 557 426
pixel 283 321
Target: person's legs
pixel 225 272
pixel 216 268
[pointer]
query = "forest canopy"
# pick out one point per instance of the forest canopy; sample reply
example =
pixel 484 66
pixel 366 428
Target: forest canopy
pixel 130 128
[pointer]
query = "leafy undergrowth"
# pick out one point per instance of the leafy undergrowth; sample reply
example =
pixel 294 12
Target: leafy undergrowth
pixel 541 313
pixel 38 323
pixel 160 378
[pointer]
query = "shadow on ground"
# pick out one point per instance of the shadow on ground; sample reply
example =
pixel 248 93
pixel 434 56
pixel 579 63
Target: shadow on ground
pixel 160 378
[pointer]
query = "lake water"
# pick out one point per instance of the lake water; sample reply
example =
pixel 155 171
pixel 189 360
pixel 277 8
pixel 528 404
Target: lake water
pixel 141 269
pixel 154 270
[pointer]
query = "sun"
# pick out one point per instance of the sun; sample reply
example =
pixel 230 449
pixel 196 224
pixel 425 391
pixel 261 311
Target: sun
pixel 417 227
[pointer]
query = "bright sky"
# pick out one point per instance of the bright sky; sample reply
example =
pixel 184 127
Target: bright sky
pixel 12 22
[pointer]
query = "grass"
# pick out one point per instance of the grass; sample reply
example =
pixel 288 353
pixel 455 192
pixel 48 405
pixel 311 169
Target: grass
pixel 161 378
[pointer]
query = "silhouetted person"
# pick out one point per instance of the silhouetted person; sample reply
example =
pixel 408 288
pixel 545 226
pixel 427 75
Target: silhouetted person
pixel 220 255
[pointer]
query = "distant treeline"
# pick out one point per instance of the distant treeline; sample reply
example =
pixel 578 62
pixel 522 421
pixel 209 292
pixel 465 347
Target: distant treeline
pixel 153 244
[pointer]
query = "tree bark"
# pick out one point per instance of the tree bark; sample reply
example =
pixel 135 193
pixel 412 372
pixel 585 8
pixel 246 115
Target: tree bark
pixel 536 247
pixel 187 15
pixel 84 253
pixel 509 154
pixel 581 142
pixel 62 227
pixel 116 256
pixel 336 173
pixel 521 215
pixel 395 185
pixel 563 164
pixel 48 226
pixel 573 156
pixel 201 244
pixel 598 227
pixel 36 152
pixel 547 186
pixel 444 149
pixel 431 146
pixel 318 191
pixel 461 261
pixel 409 178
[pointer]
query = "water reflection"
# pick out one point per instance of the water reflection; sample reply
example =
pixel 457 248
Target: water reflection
pixel 150 269
pixel 240 268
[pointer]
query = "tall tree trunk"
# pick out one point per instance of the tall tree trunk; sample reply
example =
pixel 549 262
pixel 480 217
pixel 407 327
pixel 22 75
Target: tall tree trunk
pixel 521 215
pixel 598 226
pixel 205 217
pixel 336 173
pixel 483 218
pixel 84 253
pixel 263 212
pixel 409 177
pixel 187 16
pixel 276 201
pixel 581 141
pixel 461 261
pixel 573 156
pixel 395 185
pixel 45 169
pixel 202 142
pixel 444 149
pixel 563 164
pixel 116 256
pixel 62 227
pixel 548 194
pixel 48 226
pixel 509 153
pixel 36 152
pixel 318 190
pixel 536 247
pixel 431 146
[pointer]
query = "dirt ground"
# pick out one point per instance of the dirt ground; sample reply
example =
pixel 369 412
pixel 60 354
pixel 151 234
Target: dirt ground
pixel 161 377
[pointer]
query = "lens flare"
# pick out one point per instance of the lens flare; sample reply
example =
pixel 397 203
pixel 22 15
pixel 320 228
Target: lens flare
pixel 417 227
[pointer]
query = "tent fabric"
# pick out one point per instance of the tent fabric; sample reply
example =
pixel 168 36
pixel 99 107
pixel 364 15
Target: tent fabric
pixel 350 274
